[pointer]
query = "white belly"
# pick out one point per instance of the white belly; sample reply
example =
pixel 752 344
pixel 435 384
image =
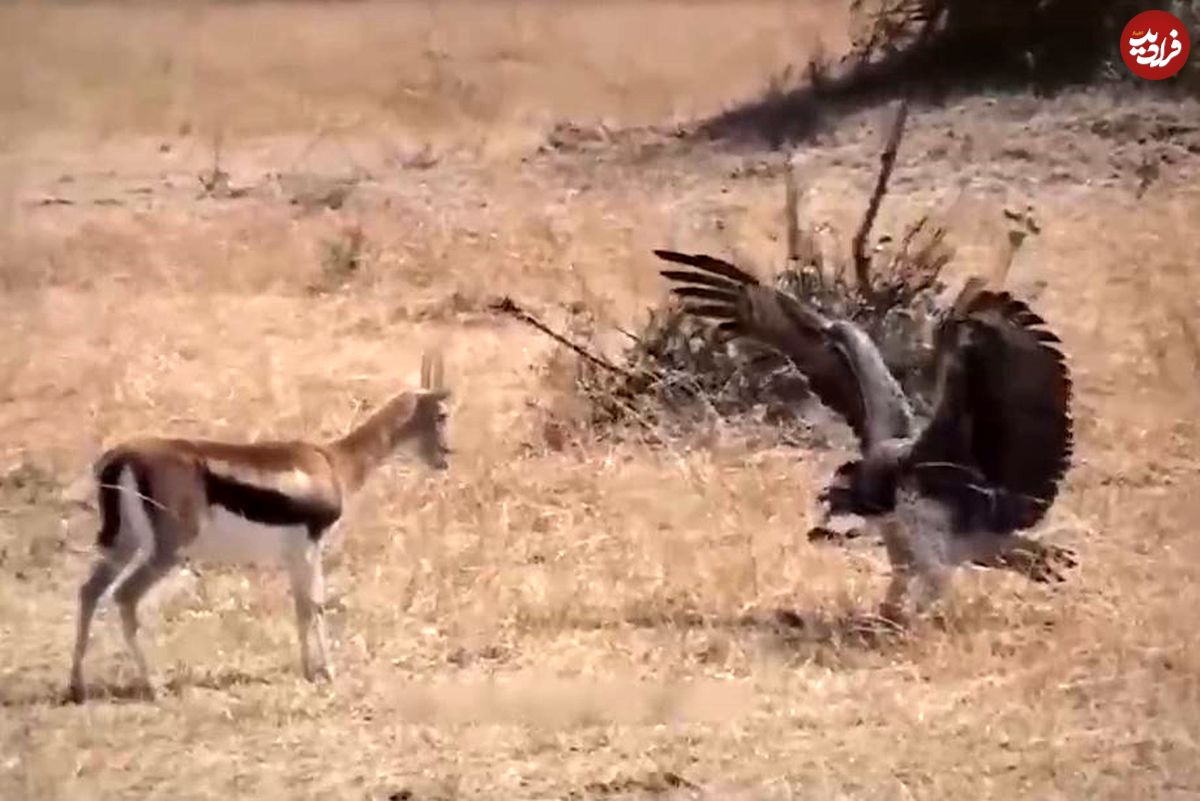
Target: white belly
pixel 232 539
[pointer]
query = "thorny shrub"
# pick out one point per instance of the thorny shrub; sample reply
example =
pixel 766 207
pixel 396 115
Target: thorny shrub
pixel 679 371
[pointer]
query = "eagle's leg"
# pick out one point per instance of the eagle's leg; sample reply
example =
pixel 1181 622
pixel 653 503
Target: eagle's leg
pixel 902 557
pixel 915 556
pixel 935 580
pixel 892 608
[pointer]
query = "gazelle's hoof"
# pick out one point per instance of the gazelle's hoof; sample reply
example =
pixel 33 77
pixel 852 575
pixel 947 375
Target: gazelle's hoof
pixel 320 673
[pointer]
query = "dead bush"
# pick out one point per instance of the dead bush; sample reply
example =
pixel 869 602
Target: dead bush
pixel 679 371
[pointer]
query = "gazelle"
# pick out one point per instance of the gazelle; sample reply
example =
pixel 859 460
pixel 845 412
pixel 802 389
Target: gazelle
pixel 266 503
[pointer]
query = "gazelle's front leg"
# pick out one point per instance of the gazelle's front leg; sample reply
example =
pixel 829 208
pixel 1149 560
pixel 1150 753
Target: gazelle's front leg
pixel 308 593
pixel 325 665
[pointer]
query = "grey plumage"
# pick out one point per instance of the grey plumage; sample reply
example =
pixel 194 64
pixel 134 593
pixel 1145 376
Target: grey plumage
pixel 986 466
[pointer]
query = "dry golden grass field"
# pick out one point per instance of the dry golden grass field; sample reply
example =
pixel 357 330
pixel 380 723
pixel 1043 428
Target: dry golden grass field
pixel 550 621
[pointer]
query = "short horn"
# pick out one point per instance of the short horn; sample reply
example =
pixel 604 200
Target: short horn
pixel 432 370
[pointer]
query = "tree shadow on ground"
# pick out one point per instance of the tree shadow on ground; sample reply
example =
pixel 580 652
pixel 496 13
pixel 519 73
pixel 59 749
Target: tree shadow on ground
pixel 935 69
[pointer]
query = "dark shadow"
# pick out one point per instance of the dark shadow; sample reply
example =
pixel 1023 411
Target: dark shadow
pixel 218 680
pixel 787 628
pixel 45 694
pixel 853 630
pixel 1045 51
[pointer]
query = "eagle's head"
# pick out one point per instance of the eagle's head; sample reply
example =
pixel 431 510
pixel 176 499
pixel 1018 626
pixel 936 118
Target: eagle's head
pixel 838 495
pixel 857 489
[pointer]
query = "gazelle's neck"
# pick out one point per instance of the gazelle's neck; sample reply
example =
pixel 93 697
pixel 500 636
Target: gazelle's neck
pixel 406 418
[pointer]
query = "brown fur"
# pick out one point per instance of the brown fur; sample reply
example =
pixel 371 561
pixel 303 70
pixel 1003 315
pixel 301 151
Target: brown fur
pixel 282 485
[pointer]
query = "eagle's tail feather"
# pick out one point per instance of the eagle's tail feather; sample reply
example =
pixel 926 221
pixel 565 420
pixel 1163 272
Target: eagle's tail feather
pixel 1037 561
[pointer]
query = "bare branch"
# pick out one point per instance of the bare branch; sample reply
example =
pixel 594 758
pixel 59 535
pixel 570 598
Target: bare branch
pixel 507 305
pixel 887 161
pixel 791 213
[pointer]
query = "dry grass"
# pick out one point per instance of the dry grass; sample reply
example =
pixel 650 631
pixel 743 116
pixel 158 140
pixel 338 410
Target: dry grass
pixel 460 69
pixel 591 622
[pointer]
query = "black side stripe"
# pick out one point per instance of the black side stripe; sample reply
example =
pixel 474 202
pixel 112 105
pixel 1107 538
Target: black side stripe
pixel 268 506
pixel 110 502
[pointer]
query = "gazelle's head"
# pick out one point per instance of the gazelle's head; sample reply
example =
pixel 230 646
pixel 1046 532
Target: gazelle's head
pixel 430 414
pixel 429 422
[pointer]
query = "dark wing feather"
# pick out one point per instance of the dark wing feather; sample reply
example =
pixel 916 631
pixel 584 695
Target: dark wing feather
pixel 709 264
pixel 699 279
pixel 748 309
pixel 1004 407
pixel 706 292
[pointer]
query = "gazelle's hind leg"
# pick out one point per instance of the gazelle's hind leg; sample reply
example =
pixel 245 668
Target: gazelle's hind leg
pixel 104 572
pixel 121 543
pixel 308 593
pixel 128 595
pixel 159 519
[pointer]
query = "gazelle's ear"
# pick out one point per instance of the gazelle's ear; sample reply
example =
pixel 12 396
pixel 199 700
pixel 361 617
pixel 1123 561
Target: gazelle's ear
pixel 433 370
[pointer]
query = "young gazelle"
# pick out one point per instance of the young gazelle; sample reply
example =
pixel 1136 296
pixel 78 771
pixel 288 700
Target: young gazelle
pixel 267 503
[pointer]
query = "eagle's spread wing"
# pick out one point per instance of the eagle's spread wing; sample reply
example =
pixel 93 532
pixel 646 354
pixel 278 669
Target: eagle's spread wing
pixel 1003 410
pixel 718 290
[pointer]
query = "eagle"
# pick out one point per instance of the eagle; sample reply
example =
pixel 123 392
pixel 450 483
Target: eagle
pixel 959 488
